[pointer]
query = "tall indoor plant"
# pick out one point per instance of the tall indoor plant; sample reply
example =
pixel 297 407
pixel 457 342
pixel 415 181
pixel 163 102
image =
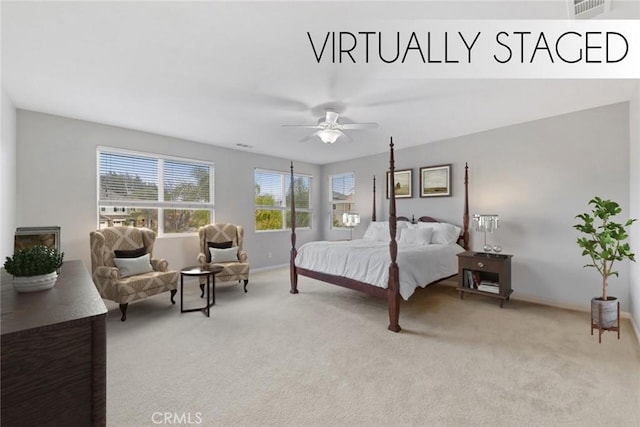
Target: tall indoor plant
pixel 604 242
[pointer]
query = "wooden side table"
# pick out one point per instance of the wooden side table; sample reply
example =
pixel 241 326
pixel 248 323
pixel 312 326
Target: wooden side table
pixel 197 271
pixel 485 274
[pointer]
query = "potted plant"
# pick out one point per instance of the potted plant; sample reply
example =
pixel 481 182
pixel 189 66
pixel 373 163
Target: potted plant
pixel 605 242
pixel 34 268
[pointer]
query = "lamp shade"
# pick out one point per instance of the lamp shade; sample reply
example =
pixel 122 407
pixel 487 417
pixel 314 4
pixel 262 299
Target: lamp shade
pixel 350 219
pixel 486 222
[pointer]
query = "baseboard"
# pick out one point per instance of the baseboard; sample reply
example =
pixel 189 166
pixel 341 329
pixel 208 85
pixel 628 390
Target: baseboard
pixel 271 267
pixel 635 330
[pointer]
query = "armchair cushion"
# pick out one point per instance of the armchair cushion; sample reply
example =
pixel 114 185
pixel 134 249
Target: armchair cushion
pixel 217 245
pixel 224 255
pixel 130 253
pixel 133 266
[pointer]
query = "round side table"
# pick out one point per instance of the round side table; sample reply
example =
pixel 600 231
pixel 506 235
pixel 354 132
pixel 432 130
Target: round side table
pixel 197 271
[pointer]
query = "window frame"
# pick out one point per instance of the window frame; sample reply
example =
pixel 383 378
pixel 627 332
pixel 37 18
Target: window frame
pixel 284 176
pixel 159 204
pixel 333 201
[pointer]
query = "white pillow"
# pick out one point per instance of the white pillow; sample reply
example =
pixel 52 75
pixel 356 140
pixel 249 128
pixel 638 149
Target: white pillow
pixel 224 255
pixel 132 266
pixel 443 233
pixel 415 236
pixel 373 228
pixel 382 234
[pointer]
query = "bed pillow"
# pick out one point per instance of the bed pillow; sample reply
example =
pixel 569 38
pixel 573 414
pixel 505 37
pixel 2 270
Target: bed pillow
pixel 131 253
pixel 372 228
pixel 379 230
pixel 224 255
pixel 382 234
pixel 217 245
pixel 415 236
pixel 443 233
pixel 132 266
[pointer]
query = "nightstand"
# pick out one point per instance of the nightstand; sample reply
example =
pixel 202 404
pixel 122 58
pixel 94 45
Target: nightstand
pixel 485 274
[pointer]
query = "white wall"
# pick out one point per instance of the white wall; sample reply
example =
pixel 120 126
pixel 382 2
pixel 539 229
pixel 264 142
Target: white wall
pixel 56 185
pixel 7 177
pixel 537 176
pixel 634 199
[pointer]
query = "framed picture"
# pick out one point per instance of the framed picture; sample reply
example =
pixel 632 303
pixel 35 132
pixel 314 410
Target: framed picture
pixel 435 181
pixel 27 237
pixel 402 180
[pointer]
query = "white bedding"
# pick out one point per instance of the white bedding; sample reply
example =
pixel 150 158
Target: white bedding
pixel 368 261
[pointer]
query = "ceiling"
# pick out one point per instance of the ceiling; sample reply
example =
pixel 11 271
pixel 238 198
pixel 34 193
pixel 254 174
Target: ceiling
pixel 229 73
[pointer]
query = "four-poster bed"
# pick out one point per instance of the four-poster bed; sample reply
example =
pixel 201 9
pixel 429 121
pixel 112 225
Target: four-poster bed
pixel 392 289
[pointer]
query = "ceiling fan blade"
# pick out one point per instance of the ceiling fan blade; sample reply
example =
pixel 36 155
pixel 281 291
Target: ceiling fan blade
pixel 301 126
pixel 308 138
pixel 351 126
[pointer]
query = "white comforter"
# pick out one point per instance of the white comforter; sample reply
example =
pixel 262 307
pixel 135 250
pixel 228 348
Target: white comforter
pixel 368 261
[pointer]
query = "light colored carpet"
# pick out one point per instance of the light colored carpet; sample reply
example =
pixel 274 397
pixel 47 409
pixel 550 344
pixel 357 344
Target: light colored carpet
pixel 324 358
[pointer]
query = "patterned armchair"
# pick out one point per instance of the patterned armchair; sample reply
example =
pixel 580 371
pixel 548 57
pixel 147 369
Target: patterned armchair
pixel 109 279
pixel 224 237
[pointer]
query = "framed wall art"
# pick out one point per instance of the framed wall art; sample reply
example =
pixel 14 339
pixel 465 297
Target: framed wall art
pixel 402 180
pixel 435 181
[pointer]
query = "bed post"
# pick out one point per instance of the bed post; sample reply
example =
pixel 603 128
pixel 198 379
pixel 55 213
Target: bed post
pixel 292 261
pixel 393 288
pixel 465 216
pixel 373 215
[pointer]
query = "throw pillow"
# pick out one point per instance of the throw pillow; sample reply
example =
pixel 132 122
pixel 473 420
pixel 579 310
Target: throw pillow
pixel 217 245
pixel 132 266
pixel 130 253
pixel 224 255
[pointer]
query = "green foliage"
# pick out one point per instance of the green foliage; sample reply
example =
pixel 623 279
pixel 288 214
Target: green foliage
pixel 34 261
pixel 271 219
pixel 605 240
pixel 268 219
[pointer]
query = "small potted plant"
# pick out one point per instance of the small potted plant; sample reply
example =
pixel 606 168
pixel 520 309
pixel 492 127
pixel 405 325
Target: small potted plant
pixel 34 268
pixel 605 242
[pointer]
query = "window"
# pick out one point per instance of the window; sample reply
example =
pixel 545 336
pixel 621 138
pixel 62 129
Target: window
pixel 171 196
pixel 273 200
pixel 343 196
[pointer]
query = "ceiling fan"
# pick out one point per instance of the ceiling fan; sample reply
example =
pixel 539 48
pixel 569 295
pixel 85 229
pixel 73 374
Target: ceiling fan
pixel 330 130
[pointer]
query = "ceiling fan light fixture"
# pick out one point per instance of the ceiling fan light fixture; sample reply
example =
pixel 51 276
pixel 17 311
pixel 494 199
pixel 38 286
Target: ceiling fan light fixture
pixel 329 136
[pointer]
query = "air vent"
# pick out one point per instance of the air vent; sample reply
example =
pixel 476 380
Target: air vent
pixel 244 145
pixel 585 9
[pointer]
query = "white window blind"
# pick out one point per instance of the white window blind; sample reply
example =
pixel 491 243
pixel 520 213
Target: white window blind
pixel 170 196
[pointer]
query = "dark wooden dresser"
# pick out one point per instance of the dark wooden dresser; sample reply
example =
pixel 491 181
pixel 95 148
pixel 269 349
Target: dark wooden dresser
pixel 53 350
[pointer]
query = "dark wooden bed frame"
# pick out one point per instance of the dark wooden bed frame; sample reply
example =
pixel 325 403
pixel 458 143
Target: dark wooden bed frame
pixel 391 293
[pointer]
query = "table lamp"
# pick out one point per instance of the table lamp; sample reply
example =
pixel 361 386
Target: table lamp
pixel 350 220
pixel 487 223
